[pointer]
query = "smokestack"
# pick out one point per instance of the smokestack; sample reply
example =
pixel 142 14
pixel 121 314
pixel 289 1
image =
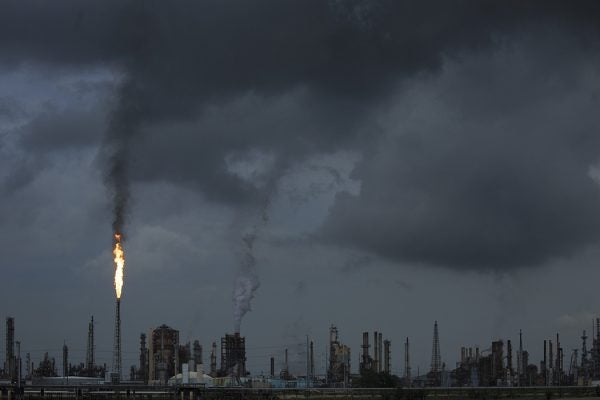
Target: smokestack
pixel 380 348
pixel 272 366
pixel 213 360
pixel 65 360
pixel 10 364
pixel 143 359
pixel 89 354
pixel 436 358
pixel 509 357
pixel 285 372
pixel 550 355
pixel 545 364
pixel 407 363
pixel 197 353
pixel 18 364
pixel 520 369
pixel 557 369
pixel 375 352
pixel 312 359
pixel 365 351
pixel 116 373
pixel 386 355
pixel 233 355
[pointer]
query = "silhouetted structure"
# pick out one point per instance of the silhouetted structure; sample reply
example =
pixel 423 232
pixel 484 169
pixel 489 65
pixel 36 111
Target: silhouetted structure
pixel 312 359
pixel 339 360
pixel 65 360
pixel 498 373
pixel 233 355
pixel 407 377
pixel 596 352
pixel 46 368
pixel 10 363
pixel 116 365
pixel 213 360
pixel 366 362
pixel 434 376
pixel 387 356
pixel 521 366
pixel 197 353
pixel 90 350
pixel 143 367
pixel 163 353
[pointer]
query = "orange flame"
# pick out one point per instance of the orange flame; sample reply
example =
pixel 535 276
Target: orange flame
pixel 119 264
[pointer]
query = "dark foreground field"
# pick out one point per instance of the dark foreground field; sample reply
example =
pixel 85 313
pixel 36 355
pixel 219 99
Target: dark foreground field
pixel 199 393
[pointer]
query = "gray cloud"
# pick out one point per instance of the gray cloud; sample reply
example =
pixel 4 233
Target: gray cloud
pixel 485 166
pixel 62 130
pixel 181 58
pixel 469 173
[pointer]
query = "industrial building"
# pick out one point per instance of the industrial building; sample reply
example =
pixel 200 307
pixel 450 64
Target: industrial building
pixel 163 360
pixel 163 353
pixel 233 356
pixel 10 369
pixel 381 360
pixel 213 360
pixel 595 354
pixel 338 371
pixel 142 371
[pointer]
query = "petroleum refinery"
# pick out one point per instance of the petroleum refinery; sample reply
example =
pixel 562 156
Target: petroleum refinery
pixel 165 361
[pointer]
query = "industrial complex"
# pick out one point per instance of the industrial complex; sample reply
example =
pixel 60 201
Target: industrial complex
pixel 165 361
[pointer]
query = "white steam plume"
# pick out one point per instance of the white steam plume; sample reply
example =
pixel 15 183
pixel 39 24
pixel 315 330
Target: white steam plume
pixel 247 283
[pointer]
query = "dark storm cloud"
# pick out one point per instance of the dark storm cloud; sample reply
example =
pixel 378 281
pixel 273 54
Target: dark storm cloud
pixel 9 110
pixel 178 115
pixel 486 166
pixel 181 55
pixel 22 173
pixel 51 131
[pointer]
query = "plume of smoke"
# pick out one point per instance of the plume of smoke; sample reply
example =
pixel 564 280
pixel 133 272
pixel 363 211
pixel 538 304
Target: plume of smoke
pixel 118 185
pixel 247 283
pixel 124 125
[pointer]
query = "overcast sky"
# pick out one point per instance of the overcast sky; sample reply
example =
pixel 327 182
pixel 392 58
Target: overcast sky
pixel 377 165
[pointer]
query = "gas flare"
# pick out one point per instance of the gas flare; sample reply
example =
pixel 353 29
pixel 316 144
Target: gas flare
pixel 119 264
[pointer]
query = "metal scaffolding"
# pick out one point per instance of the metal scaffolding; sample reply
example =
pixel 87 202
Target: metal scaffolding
pixel 116 370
